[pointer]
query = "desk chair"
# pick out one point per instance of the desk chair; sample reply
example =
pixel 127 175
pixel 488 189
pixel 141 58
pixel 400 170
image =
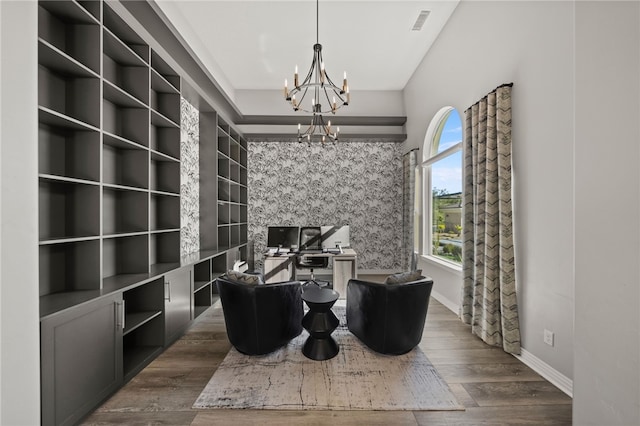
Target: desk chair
pixel 310 240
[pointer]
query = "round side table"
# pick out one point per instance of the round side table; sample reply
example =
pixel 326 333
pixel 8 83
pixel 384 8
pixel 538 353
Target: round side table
pixel 320 322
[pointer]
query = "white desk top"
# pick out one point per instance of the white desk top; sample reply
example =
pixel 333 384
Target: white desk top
pixel 348 252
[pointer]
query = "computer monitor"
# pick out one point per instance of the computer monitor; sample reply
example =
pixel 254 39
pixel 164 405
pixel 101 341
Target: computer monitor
pixel 335 236
pixel 283 236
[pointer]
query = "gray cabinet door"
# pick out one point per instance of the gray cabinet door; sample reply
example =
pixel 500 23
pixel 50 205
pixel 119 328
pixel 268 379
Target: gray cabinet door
pixel 81 358
pixel 177 302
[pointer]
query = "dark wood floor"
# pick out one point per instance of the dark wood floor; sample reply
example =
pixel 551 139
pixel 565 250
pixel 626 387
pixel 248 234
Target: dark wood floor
pixel 495 388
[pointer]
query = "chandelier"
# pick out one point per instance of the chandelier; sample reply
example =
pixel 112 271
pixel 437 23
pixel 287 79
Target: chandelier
pixel 326 96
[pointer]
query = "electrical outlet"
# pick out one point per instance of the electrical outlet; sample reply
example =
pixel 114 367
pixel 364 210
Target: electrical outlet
pixel 548 337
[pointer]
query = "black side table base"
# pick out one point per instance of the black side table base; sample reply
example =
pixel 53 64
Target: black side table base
pixel 320 322
pixel 320 349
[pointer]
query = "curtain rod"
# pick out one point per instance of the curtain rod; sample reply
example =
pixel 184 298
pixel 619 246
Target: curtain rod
pixel 487 95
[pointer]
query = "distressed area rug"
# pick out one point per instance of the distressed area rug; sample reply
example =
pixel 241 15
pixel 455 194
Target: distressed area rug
pixel 355 379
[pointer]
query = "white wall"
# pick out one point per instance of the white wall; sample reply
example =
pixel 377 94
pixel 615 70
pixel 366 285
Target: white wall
pixel 19 314
pixel 486 44
pixel 607 203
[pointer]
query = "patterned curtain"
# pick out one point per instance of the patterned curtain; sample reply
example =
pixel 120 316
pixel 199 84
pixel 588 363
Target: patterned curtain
pixel 409 161
pixel 489 302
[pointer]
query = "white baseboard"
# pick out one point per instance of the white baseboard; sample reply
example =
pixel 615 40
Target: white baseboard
pixel 453 307
pixel 558 379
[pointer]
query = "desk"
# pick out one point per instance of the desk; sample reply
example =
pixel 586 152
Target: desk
pixel 283 268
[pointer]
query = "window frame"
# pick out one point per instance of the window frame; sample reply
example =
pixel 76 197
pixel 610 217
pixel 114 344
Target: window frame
pixel 430 156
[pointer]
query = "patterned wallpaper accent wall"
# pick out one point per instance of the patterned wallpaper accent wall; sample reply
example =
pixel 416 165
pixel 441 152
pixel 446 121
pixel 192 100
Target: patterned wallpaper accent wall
pixel 357 184
pixel 189 178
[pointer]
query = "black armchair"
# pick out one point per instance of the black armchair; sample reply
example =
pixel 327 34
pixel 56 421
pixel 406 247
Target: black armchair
pixel 388 318
pixel 261 318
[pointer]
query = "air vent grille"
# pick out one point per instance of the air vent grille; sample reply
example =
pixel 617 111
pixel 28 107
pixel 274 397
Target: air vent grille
pixel 422 17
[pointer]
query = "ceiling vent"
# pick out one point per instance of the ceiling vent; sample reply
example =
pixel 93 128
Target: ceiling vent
pixel 417 26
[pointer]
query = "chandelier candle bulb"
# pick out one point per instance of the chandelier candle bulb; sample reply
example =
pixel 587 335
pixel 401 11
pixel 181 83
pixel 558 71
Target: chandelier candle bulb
pixel 295 77
pixel 344 83
pixel 286 89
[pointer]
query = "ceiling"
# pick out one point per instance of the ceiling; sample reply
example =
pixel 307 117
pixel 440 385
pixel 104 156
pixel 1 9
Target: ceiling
pixel 255 44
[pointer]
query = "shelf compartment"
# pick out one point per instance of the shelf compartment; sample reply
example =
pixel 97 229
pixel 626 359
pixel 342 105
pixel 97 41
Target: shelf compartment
pixel 243 214
pixel 134 320
pixel 124 163
pixel 123 256
pixel 218 266
pixel 71 29
pixel 201 274
pixel 117 50
pixel 223 144
pixel 234 213
pixel 234 234
pixel 141 346
pixel 166 104
pixel 69 152
pixel 223 166
pixel 202 300
pixel 166 140
pixel 243 144
pixel 126 71
pixel 142 304
pixel 164 212
pixel 243 235
pixel 128 123
pixel 164 174
pixel 124 211
pixel 234 172
pixel 224 217
pixel 165 248
pixel 243 176
pixel 159 120
pixel 55 60
pixel 75 97
pixel 165 71
pixel 243 197
pixel 223 190
pixel 243 157
pixel 69 267
pixel 234 151
pixel 223 126
pixel 121 98
pixel 234 192
pixel 68 209
pixel 125 34
pixel 223 237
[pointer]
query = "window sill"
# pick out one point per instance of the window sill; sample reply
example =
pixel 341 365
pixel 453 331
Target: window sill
pixel 442 264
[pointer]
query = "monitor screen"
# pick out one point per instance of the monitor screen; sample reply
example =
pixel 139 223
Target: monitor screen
pixel 283 236
pixel 334 236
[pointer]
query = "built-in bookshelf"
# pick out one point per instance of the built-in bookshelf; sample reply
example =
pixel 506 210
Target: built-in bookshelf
pixel 109 152
pixel 231 178
pixel 111 274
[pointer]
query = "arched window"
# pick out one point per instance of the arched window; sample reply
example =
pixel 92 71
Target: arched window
pixel 442 187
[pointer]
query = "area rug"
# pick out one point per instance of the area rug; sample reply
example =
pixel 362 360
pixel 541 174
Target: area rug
pixel 355 379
